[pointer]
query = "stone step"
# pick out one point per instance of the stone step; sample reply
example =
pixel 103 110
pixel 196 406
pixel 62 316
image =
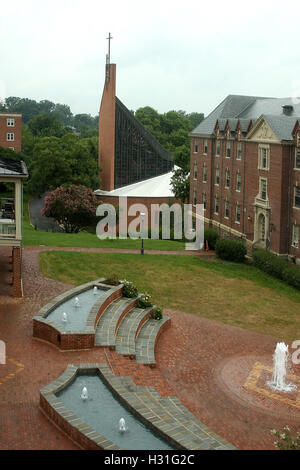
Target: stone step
pixel 110 319
pixel 146 340
pixel 128 329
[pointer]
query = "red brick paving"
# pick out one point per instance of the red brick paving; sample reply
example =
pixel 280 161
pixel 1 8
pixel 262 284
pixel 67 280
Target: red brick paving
pixel 190 358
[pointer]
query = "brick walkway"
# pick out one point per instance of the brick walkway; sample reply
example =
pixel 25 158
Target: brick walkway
pixel 190 358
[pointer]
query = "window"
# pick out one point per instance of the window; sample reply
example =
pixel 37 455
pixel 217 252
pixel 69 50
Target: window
pixel 218 148
pixel 195 171
pixel 11 148
pixel 216 205
pixel 204 201
pixel 195 197
pixel 226 214
pixel 195 145
pixel 295 241
pixel 297 196
pixel 217 176
pixel 204 174
pixel 239 151
pixel 297 159
pixel 238 182
pixel 263 189
pixel 238 213
pixel 10 122
pixel 10 137
pixel 205 147
pixel 227 179
pixel 263 157
pixel 228 149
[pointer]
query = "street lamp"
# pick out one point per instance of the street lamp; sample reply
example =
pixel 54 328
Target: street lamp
pixel 142 229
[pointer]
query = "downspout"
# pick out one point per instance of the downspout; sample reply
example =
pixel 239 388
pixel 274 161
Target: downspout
pixel 244 184
pixel 289 204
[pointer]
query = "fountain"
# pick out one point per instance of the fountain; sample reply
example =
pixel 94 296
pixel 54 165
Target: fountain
pixel 280 360
pixel 84 394
pixel 64 317
pixel 76 303
pixel 122 425
pixel 95 290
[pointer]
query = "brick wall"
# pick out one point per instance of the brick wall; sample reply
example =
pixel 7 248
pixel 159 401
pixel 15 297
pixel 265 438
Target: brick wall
pixel 16 130
pixel 17 273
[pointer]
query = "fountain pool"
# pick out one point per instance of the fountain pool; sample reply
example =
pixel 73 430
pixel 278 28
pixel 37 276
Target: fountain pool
pixel 77 311
pixel 103 412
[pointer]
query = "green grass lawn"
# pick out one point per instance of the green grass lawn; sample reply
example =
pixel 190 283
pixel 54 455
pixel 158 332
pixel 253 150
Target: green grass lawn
pixel 34 237
pixel 235 294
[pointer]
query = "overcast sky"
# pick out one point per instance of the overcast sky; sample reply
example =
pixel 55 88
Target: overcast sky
pixel 186 55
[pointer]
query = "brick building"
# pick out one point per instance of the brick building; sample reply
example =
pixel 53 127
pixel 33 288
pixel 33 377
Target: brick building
pixel 11 131
pixel 245 169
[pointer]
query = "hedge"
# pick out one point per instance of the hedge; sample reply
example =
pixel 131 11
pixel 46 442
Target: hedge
pixel 211 236
pixel 231 250
pixel 277 267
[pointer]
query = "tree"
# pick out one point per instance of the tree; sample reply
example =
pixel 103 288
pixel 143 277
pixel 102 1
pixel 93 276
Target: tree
pixel 46 125
pixel 73 207
pixel 180 183
pixel 66 160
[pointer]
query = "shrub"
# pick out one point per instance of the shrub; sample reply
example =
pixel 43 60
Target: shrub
pixel 287 442
pixel 211 236
pixel 231 250
pixel 129 290
pixel 277 267
pixel 157 314
pixel 144 301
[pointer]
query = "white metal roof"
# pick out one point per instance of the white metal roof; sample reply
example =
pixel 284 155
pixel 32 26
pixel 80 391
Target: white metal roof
pixel 159 186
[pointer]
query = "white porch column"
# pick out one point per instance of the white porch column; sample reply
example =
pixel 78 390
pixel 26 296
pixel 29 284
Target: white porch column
pixel 18 209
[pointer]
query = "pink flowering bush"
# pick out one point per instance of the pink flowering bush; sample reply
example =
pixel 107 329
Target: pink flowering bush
pixel 73 207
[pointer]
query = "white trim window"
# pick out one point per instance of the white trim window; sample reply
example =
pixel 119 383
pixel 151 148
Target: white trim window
pixel 263 157
pixel 237 213
pixel 204 174
pixel 239 151
pixel 195 145
pixel 205 147
pixel 297 196
pixel 295 240
pixel 226 211
pixel 10 137
pixel 10 122
pixel 228 149
pixel 195 171
pixel 11 148
pixel 216 205
pixel 217 176
pixel 238 182
pixel 263 189
pixel 297 159
pixel 218 148
pixel 204 201
pixel 194 197
pixel 227 179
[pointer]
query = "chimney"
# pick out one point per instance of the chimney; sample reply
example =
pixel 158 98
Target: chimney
pixel 287 109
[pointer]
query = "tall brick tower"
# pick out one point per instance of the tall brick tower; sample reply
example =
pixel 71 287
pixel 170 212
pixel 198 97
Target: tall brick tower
pixel 128 153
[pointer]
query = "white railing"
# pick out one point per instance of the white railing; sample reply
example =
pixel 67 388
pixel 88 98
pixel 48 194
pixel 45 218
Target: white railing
pixel 7 229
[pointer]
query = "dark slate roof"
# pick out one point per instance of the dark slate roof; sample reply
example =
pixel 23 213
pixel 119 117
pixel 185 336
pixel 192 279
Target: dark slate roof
pixel 12 167
pixel 249 108
pixel 282 126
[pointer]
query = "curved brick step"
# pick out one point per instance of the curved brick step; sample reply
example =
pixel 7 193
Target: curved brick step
pixel 105 334
pixel 146 340
pixel 128 329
